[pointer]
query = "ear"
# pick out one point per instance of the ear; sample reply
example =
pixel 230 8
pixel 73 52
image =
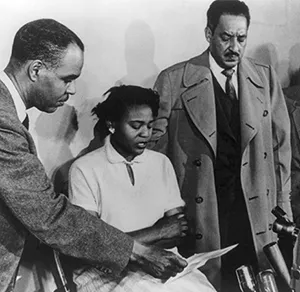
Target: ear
pixel 208 34
pixel 110 126
pixel 33 69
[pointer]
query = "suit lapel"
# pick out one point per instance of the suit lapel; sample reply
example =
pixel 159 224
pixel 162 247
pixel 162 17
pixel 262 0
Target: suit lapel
pixel 252 102
pixel 199 99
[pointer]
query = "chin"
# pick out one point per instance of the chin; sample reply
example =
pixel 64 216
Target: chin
pixel 139 152
pixel 229 65
pixel 50 110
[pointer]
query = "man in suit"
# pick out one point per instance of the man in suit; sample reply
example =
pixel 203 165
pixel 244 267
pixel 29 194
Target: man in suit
pixel 46 59
pixel 223 123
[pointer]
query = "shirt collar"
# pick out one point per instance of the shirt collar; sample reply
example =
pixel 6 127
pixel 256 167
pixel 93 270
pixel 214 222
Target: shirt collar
pixel 114 156
pixel 215 68
pixel 19 104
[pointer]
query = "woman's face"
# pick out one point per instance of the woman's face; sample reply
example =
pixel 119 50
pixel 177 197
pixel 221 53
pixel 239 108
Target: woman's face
pixel 133 132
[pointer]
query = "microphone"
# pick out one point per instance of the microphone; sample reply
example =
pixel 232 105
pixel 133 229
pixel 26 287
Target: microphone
pixel 276 259
pixel 295 271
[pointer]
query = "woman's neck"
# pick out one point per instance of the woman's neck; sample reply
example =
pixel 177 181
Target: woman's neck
pixel 128 156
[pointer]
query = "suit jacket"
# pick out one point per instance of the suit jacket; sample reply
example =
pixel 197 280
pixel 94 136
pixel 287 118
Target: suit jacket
pixel 186 131
pixel 28 204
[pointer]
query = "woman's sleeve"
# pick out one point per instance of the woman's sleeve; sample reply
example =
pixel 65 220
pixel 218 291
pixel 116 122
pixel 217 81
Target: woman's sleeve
pixel 173 197
pixel 82 189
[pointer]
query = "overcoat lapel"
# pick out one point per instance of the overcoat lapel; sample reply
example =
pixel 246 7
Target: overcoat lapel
pixel 252 102
pixel 198 99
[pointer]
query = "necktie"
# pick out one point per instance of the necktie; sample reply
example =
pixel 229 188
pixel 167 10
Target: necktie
pixel 234 116
pixel 229 87
pixel 26 122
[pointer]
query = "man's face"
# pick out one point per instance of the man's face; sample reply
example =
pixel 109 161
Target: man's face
pixel 55 85
pixel 228 42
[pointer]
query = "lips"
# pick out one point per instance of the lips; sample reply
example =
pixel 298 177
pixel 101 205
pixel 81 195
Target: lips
pixel 141 145
pixel 62 102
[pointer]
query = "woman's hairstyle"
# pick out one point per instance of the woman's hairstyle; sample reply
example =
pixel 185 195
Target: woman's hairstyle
pixel 120 99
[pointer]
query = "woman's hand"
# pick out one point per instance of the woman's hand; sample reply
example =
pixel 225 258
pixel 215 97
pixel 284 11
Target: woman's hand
pixel 172 227
pixel 167 232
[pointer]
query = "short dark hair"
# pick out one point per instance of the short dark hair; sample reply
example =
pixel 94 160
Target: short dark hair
pixel 229 7
pixel 120 99
pixel 45 40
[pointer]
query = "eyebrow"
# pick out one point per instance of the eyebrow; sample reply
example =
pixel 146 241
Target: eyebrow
pixel 231 34
pixel 141 121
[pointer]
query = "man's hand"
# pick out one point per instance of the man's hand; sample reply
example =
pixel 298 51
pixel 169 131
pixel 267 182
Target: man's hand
pixel 157 262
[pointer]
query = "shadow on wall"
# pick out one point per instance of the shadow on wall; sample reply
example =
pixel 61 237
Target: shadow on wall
pixel 287 71
pixel 55 133
pixel 61 173
pixel 139 55
pixel 267 54
pixel 141 70
pixel 293 91
pixel 294 65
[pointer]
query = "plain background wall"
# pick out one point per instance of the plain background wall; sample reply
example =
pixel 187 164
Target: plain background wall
pixel 130 41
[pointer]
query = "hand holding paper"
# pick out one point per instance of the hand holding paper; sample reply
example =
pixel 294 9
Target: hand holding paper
pixel 198 260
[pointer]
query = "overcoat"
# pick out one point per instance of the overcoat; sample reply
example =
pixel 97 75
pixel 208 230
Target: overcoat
pixel 28 204
pixel 293 105
pixel 186 130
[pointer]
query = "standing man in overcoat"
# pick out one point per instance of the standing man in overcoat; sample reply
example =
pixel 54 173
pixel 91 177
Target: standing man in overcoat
pixel 46 59
pixel 223 123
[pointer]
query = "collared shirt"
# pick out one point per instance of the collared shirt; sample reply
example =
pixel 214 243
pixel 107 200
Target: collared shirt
pixel 99 182
pixel 115 157
pixel 19 104
pixel 221 78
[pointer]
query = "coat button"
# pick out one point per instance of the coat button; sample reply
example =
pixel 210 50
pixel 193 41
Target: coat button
pixel 104 270
pixel 199 236
pixel 107 271
pixel 197 162
pixel 199 200
pixel 265 113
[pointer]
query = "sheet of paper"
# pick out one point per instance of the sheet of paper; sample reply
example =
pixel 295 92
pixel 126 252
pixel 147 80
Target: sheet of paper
pixel 198 260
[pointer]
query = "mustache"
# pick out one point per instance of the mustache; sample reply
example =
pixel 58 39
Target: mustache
pixel 232 54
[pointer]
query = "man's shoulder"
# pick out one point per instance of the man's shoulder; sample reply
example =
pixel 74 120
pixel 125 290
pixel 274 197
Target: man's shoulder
pixel 175 67
pixel 6 101
pixel 196 60
pixel 256 63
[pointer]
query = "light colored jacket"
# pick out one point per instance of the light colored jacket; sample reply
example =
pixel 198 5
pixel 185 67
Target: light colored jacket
pixel 186 130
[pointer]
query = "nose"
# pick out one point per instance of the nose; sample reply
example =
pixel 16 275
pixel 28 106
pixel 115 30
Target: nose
pixel 234 44
pixel 146 132
pixel 71 88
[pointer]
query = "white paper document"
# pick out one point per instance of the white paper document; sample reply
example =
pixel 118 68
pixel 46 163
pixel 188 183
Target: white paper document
pixel 198 260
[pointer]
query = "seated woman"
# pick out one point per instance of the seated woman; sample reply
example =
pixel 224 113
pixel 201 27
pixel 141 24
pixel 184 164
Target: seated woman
pixel 131 188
